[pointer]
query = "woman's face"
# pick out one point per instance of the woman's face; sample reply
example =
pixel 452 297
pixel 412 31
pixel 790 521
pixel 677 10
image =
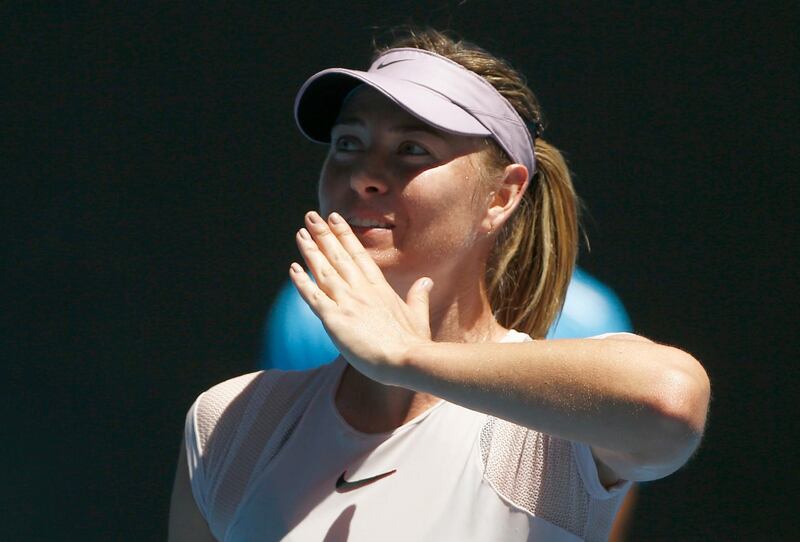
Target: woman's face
pixel 411 192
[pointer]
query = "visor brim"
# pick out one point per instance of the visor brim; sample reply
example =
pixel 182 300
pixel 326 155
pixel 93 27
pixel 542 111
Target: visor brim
pixel 321 97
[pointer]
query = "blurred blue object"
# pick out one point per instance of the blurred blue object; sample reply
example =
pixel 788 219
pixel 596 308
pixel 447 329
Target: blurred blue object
pixel 295 339
pixel 591 308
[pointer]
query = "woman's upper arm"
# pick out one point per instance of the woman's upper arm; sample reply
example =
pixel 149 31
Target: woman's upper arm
pixel 186 523
pixel 611 463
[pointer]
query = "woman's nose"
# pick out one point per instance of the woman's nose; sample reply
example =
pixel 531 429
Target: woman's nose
pixel 368 182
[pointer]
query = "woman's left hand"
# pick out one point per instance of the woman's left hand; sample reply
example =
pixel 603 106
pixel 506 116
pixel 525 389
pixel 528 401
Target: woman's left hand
pixel 371 326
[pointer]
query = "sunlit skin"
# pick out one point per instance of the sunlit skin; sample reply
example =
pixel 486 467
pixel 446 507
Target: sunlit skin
pixel 385 163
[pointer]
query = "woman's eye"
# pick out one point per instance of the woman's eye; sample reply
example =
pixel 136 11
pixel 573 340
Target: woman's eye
pixel 413 149
pixel 347 143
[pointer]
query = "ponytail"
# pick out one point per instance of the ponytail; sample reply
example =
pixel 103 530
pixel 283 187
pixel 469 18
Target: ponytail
pixel 531 264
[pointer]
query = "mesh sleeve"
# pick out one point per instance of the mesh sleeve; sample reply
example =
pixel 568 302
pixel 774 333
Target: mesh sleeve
pixel 233 431
pixel 542 475
pixel 193 455
pixel 214 415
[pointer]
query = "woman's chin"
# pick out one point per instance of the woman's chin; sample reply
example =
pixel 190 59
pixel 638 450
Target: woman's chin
pixel 386 258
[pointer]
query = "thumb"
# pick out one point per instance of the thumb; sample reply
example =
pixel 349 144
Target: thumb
pixel 417 300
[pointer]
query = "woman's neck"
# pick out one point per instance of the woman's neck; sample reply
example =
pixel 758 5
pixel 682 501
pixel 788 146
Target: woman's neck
pixel 456 316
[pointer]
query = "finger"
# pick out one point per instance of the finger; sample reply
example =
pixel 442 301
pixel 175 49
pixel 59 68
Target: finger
pixel 418 300
pixel 327 277
pixel 329 244
pixel 358 254
pixel 316 299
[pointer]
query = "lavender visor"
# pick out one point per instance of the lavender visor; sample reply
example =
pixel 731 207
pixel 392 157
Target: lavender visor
pixel 434 89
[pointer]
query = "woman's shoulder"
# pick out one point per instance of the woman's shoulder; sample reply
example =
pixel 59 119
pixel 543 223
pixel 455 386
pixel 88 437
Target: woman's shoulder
pixel 233 386
pixel 233 394
pixel 514 336
pixel 231 423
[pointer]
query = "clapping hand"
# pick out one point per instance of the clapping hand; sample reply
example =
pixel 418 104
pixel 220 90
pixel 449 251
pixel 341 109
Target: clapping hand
pixel 372 327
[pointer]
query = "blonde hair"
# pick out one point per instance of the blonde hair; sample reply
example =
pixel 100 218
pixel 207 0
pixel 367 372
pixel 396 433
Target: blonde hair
pixel 531 264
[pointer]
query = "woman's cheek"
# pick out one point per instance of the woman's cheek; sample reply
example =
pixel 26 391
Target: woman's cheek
pixel 441 231
pixel 329 192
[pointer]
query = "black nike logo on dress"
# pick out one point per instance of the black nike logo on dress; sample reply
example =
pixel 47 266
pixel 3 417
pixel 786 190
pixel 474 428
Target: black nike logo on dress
pixel 343 486
pixel 384 64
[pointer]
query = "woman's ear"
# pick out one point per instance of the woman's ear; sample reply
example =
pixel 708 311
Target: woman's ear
pixel 504 200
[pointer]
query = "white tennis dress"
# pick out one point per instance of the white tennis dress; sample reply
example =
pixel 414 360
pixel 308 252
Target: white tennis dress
pixel 266 450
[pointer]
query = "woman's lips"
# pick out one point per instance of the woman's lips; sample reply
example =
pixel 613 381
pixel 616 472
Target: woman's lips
pixel 370 234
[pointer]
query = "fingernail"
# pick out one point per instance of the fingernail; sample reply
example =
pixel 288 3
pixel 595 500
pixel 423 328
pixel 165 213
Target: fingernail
pixel 313 217
pixel 336 218
pixel 304 234
pixel 296 267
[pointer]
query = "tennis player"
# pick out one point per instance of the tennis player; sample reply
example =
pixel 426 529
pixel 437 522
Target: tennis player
pixel 445 240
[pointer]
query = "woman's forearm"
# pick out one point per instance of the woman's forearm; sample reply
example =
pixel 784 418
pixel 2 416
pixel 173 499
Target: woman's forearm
pixel 642 405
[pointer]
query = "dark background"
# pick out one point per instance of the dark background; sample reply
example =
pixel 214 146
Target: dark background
pixel 153 179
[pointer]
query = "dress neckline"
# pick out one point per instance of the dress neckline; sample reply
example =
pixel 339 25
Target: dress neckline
pixel 338 367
